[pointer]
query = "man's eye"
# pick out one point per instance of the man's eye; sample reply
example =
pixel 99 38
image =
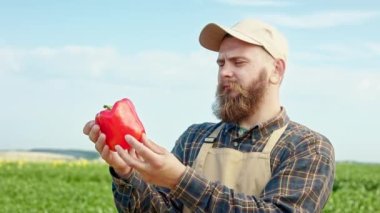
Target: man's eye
pixel 239 63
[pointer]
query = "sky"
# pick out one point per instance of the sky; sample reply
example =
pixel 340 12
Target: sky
pixel 61 61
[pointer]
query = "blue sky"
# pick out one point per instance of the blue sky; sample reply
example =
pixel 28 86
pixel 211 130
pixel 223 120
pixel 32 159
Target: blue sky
pixel 60 61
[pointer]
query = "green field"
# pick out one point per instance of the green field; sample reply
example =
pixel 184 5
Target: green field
pixel 81 186
pixel 76 186
pixel 356 189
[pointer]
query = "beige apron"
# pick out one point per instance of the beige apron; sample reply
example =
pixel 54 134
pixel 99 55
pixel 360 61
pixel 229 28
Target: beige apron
pixel 245 172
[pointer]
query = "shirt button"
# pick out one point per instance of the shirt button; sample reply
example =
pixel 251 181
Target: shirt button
pixel 236 144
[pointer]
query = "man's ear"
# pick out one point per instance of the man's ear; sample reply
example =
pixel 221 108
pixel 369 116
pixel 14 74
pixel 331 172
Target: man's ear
pixel 278 73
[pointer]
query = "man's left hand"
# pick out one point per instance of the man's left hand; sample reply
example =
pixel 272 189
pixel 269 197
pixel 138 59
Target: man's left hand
pixel 154 163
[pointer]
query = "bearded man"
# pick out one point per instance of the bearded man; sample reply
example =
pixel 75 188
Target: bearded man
pixel 255 160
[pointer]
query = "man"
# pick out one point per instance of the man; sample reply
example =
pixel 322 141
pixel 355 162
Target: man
pixel 254 160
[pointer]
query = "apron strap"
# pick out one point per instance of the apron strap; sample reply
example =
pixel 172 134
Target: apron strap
pixel 206 146
pixel 273 139
pixel 214 134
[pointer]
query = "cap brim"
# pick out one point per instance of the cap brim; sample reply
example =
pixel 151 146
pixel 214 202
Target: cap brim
pixel 212 36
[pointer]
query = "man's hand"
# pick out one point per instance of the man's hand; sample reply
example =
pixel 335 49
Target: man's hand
pixel 154 163
pixel 112 158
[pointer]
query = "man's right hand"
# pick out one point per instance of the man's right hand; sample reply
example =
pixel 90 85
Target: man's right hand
pixel 112 158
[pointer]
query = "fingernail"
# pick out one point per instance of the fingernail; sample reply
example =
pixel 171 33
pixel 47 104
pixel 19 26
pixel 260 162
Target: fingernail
pixel 128 138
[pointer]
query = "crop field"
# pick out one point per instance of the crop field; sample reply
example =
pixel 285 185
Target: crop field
pixel 57 186
pixel 356 189
pixel 84 186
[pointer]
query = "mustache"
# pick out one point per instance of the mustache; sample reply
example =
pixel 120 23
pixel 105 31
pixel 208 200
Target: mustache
pixel 232 86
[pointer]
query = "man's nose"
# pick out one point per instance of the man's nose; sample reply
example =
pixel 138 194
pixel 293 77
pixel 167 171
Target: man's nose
pixel 225 71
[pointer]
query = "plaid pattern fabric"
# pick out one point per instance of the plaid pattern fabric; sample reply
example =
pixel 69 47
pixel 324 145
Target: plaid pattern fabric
pixel 302 165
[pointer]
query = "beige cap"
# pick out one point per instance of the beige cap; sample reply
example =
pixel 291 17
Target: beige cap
pixel 250 31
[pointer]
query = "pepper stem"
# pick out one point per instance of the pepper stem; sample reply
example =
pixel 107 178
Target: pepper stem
pixel 107 107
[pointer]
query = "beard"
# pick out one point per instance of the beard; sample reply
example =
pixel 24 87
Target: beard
pixel 235 108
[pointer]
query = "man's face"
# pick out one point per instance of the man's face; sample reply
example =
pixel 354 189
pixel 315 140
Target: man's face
pixel 242 80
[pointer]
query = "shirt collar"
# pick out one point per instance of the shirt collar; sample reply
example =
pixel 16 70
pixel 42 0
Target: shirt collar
pixel 263 129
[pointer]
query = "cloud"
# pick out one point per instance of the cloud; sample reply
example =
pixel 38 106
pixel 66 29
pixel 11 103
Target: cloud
pixel 324 19
pixel 333 84
pixel 368 87
pixel 272 3
pixel 163 69
pixel 149 68
pixel 339 52
pixel 171 68
pixel 68 61
pixel 10 60
pixel 374 47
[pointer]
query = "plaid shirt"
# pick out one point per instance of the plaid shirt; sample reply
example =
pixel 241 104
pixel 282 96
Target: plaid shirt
pixel 302 165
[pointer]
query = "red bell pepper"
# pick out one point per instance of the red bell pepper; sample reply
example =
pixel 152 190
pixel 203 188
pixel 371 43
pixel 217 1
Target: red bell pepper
pixel 118 121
